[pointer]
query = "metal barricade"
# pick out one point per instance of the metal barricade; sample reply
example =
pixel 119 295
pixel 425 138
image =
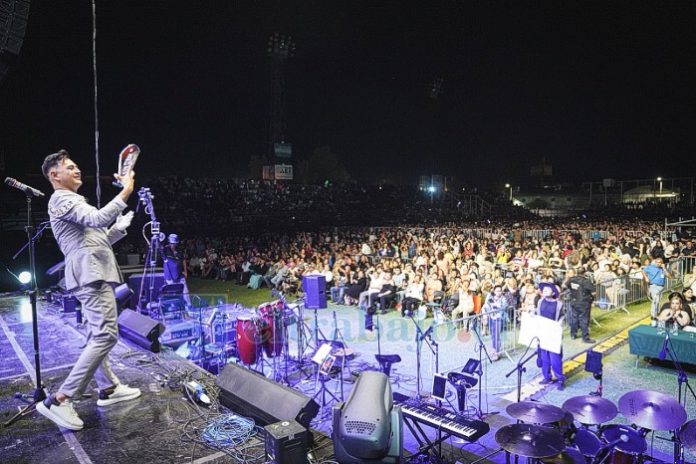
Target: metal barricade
pixel 457 340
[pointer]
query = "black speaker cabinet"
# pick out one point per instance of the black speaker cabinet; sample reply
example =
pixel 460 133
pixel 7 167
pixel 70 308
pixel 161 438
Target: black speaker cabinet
pixel 251 394
pixel 151 286
pixel 287 442
pixel 141 330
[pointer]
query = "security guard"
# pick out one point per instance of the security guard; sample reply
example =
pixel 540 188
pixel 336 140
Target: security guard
pixel 582 293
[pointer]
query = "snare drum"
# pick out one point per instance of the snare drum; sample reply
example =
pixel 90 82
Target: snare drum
pixel 248 345
pixel 587 442
pixel 625 452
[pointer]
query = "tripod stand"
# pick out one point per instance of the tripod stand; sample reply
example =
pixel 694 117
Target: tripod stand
pixel 39 392
pixel 154 245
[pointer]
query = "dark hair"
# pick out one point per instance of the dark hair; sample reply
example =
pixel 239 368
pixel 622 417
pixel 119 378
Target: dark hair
pixel 52 161
pixel 677 295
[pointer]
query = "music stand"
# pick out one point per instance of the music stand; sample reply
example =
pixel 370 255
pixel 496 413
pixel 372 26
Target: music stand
pixel 325 362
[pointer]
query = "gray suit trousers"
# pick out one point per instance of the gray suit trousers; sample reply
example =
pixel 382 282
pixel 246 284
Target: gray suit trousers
pixel 99 310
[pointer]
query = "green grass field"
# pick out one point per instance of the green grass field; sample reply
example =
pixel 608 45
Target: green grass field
pixel 214 290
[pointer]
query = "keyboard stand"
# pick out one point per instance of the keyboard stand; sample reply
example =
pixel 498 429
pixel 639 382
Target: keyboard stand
pixel 424 442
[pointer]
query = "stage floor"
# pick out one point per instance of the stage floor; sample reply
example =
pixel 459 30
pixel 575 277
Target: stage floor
pixel 162 426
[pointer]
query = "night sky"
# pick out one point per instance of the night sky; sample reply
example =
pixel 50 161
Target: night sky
pixel 599 89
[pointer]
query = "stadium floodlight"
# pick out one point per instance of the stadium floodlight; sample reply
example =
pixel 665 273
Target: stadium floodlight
pixel 659 179
pixel 508 186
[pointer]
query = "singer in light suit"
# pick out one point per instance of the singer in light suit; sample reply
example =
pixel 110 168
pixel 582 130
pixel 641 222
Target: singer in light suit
pixel 85 235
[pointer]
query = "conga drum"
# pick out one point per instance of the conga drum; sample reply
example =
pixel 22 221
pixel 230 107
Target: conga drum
pixel 247 340
pixel 272 333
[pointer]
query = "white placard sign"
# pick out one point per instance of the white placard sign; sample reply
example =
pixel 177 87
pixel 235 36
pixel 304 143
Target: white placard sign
pixel 550 332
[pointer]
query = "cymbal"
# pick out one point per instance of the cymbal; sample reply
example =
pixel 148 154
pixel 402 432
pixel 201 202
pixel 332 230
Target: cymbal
pixel 687 435
pixel 652 410
pixel 567 456
pixel 529 440
pixel 532 412
pixel 591 410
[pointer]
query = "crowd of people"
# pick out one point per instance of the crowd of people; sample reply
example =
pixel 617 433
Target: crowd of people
pixel 491 266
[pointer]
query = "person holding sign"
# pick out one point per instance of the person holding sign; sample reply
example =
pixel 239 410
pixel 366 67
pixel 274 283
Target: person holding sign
pixel 551 307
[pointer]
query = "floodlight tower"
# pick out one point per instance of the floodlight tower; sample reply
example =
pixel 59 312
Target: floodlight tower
pixel 280 48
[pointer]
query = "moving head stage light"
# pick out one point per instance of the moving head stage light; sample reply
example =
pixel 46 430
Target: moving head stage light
pixel 367 428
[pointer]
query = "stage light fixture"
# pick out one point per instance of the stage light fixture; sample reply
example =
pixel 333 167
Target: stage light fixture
pixel 24 277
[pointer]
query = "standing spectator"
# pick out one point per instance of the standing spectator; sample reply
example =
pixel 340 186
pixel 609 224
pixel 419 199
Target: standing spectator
pixel 655 275
pixel 495 308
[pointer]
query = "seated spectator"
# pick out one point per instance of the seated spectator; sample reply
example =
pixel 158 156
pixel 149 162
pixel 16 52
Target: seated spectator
pixel 413 296
pixel 352 293
pixel 676 310
pixel 374 287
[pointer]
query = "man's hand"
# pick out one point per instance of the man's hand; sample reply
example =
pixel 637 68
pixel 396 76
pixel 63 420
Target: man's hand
pixel 123 221
pixel 128 183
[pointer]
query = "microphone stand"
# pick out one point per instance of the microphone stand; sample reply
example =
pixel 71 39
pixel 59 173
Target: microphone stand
pixel 432 344
pixel 521 369
pixel 481 347
pixel 682 380
pixel 39 392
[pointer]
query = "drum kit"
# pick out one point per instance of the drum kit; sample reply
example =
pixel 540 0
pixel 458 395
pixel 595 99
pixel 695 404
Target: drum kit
pixel 548 433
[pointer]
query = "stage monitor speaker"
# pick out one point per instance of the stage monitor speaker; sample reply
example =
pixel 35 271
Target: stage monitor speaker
pixel 287 442
pixel 69 303
pixel 141 330
pixel 251 394
pixel 314 288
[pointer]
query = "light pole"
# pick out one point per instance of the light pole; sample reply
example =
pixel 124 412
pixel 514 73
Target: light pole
pixel 659 179
pixel 508 186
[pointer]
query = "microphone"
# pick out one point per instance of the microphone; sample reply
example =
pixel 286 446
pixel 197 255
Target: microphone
pixel 623 438
pixel 663 352
pixel 31 191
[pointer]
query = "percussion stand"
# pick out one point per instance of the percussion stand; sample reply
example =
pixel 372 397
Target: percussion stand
pixel 276 375
pixel 303 339
pixel 682 380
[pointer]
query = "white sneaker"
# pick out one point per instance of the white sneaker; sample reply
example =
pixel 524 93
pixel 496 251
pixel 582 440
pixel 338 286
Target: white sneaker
pixel 62 414
pixel 122 392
